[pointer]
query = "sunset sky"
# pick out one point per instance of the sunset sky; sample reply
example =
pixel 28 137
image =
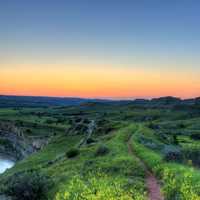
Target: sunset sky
pixel 100 48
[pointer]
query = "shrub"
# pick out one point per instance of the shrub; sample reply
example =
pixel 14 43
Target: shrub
pixel 192 154
pixel 90 140
pixel 86 121
pixel 28 131
pixel 60 120
pixel 195 136
pixel 28 186
pixel 152 125
pixel 181 125
pixel 175 139
pixel 73 153
pixel 172 153
pixel 50 121
pixel 78 119
pixel 102 150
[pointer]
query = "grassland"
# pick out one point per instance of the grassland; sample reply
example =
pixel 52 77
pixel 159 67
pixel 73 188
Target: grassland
pixel 165 139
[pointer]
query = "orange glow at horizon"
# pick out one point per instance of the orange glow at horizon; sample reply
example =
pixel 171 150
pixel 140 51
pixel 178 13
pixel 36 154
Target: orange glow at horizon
pixel 95 82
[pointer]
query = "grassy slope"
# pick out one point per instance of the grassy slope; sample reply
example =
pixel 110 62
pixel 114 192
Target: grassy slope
pixel 117 163
pixel 177 179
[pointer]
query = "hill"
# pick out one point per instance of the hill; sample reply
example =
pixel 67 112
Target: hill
pixel 102 150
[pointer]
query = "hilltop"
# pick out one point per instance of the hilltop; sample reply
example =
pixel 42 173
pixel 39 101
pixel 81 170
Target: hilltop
pixel 34 101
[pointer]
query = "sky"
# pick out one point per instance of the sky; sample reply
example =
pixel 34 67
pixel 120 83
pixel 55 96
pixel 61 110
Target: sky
pixel 100 49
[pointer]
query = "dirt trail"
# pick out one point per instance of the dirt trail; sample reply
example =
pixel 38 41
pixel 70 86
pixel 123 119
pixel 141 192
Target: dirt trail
pixel 154 192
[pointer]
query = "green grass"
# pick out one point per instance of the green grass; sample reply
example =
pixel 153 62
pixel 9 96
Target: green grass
pixel 115 173
pixel 117 164
pixel 179 181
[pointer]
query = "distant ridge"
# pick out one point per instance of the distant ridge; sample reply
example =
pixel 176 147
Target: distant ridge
pixel 167 101
pixel 42 101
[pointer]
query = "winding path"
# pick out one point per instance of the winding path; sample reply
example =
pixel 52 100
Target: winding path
pixel 154 192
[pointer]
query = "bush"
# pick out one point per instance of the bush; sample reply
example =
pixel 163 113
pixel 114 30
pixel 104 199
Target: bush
pixel 102 150
pixel 78 120
pixel 192 154
pixel 28 186
pixel 50 121
pixel 90 141
pixel 28 131
pixel 175 139
pixel 61 120
pixel 172 153
pixel 195 136
pixel 73 153
pixel 152 125
pixel 181 125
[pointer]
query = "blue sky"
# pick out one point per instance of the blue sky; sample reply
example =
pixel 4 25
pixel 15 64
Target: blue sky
pixel 162 35
pixel 156 25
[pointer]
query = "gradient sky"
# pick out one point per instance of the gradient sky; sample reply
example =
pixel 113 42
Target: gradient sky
pixel 100 48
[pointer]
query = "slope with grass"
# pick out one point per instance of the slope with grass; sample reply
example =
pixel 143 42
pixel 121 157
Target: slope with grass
pixel 179 180
pixel 153 187
pixel 87 156
pixel 105 156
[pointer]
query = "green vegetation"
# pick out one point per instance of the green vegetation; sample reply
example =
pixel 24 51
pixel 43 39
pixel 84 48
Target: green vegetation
pixel 179 180
pixel 82 152
pixel 102 150
pixel 29 185
pixel 99 187
pixel 72 153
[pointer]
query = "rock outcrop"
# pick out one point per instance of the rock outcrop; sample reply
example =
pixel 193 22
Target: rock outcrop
pixel 15 144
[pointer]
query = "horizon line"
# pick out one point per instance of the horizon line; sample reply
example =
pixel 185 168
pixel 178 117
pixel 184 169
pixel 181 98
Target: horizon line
pixel 100 98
